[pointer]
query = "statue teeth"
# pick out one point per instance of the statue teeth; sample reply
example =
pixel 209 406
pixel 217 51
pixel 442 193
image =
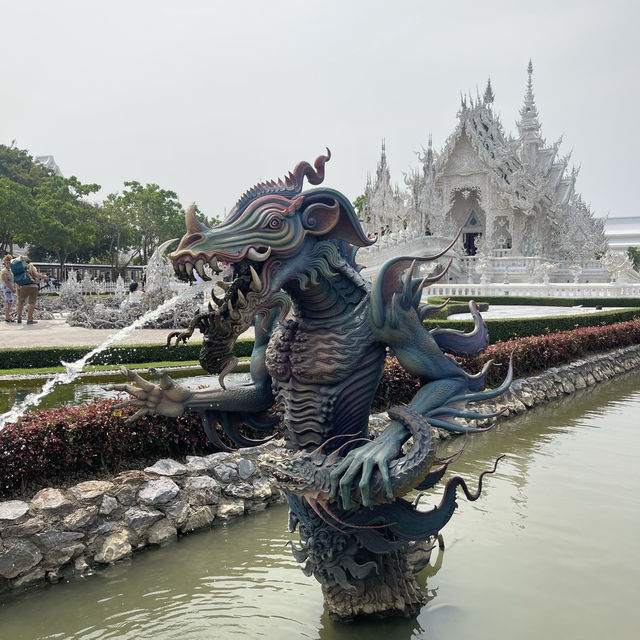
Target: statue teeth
pixel 242 301
pixel 189 268
pixel 200 270
pixel 256 283
pixel 233 314
pixel 213 263
pixel 223 285
pixel 218 301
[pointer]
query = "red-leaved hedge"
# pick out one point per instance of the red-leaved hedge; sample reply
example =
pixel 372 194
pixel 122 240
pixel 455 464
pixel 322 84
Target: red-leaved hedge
pixel 48 447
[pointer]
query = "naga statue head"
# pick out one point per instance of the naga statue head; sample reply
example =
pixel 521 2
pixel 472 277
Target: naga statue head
pixel 266 238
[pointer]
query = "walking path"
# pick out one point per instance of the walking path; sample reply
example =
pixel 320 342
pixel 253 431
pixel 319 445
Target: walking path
pixel 57 333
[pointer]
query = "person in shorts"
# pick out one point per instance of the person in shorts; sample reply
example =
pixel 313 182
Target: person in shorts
pixel 8 286
pixel 29 292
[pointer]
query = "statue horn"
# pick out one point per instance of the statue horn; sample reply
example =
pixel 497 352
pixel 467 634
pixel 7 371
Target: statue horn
pixel 193 224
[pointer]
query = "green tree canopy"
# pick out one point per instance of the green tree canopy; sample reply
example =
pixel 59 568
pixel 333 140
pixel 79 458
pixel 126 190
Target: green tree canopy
pixel 19 176
pixel 61 221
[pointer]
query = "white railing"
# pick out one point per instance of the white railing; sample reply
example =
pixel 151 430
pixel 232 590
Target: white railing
pixel 539 290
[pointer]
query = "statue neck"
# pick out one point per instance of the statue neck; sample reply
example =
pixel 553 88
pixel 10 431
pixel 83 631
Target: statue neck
pixel 324 298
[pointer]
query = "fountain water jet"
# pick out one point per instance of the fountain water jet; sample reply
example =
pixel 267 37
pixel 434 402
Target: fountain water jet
pixel 74 369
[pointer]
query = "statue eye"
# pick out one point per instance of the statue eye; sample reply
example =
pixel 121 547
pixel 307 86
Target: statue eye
pixel 274 223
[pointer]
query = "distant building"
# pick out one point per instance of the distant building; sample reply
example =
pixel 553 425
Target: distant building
pixel 622 233
pixel 512 196
pixel 48 162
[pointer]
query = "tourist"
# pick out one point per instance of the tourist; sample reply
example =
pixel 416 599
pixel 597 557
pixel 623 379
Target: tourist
pixel 8 286
pixel 29 289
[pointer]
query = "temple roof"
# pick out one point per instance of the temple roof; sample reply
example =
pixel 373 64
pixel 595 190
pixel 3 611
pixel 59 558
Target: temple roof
pixel 526 171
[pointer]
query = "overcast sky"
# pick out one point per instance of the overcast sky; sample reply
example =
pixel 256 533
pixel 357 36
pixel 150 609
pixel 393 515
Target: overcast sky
pixel 207 98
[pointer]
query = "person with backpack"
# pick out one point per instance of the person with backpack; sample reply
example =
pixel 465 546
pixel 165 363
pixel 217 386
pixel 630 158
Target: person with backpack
pixel 8 286
pixel 26 276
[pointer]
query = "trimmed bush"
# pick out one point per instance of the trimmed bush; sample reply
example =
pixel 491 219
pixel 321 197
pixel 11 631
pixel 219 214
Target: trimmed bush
pixel 48 447
pixel 504 329
pixel 53 356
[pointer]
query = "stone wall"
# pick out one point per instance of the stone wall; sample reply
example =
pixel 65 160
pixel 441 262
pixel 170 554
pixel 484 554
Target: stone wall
pixel 62 533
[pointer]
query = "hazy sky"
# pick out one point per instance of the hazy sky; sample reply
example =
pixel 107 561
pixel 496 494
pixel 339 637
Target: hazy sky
pixel 207 98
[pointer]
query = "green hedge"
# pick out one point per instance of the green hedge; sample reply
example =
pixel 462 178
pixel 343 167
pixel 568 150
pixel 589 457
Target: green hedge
pixel 134 354
pixel 508 328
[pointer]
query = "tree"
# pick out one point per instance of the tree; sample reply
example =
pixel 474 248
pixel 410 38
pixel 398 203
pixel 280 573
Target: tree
pixel 19 176
pixel 155 215
pixel 634 255
pixel 61 221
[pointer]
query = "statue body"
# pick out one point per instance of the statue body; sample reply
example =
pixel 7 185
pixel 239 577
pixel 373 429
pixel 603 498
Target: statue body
pixel 321 338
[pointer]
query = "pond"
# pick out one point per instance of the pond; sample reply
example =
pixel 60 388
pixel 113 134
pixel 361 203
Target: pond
pixel 90 388
pixel 550 550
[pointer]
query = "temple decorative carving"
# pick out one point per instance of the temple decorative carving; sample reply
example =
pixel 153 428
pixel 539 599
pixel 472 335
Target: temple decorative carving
pixel 512 195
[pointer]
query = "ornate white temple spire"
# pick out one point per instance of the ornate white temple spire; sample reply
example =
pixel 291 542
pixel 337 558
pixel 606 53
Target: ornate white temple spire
pixel 488 93
pixel 529 126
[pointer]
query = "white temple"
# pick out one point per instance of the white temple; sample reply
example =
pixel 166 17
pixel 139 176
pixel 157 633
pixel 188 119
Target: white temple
pixel 513 197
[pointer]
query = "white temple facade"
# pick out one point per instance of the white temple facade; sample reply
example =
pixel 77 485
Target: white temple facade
pixel 513 197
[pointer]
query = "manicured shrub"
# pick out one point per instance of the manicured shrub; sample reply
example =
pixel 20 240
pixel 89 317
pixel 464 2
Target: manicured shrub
pixel 504 329
pixel 53 356
pixel 47 447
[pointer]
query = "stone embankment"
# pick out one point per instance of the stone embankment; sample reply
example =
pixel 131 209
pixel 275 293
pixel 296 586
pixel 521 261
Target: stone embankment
pixel 60 534
pixel 559 382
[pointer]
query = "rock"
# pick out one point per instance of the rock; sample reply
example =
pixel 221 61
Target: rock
pixel 24 529
pixel 90 491
pixel 199 464
pixel 80 518
pixel 246 468
pixel 139 518
pixel 228 509
pixel 254 506
pixel 133 477
pixel 58 557
pixel 18 557
pixel 226 472
pixel 167 467
pixel 109 504
pixel 262 488
pixel 158 491
pixel 51 501
pixel 178 512
pixel 221 457
pixel 37 575
pixel 202 490
pixel 12 510
pixel 114 548
pixel 126 495
pixel 198 518
pixel 161 532
pixel 105 527
pixel 239 490
pixel 580 382
pixel 80 565
pixel 51 539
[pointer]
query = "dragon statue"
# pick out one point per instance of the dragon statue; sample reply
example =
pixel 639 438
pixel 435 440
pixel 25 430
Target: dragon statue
pixel 321 338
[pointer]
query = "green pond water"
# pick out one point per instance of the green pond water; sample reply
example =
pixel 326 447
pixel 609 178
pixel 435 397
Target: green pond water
pixel 551 550
pixel 90 388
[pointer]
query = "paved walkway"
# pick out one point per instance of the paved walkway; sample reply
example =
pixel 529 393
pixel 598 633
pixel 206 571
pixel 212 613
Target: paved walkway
pixel 529 311
pixel 57 333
